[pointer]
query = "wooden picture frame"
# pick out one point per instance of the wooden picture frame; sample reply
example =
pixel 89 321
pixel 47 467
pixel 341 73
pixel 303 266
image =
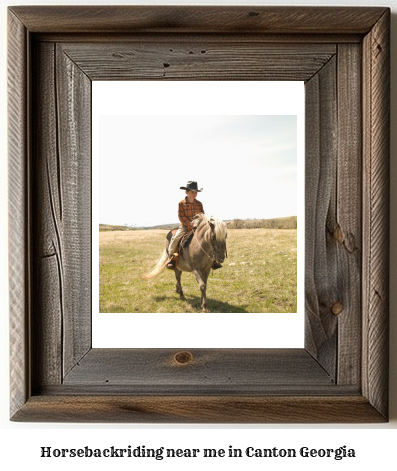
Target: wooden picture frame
pixel 342 54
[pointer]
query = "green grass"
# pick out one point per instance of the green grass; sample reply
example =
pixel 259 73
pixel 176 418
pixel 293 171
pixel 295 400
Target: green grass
pixel 259 274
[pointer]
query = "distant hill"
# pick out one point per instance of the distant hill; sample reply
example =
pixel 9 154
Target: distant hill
pixel 274 223
pixel 109 227
pixel 163 226
pixel 290 222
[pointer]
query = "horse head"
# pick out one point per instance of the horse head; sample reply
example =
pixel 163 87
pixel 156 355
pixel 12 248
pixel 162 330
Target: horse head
pixel 218 238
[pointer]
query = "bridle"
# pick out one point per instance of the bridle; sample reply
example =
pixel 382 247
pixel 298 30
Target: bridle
pixel 209 256
pixel 195 237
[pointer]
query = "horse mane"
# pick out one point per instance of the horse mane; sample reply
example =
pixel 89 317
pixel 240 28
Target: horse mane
pixel 219 225
pixel 199 220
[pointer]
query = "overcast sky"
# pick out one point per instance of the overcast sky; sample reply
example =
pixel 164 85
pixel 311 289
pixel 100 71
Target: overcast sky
pixel 246 164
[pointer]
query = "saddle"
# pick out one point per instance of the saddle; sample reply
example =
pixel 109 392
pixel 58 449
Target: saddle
pixel 170 234
pixel 185 239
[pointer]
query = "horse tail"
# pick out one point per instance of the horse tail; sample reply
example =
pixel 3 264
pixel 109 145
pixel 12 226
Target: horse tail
pixel 158 268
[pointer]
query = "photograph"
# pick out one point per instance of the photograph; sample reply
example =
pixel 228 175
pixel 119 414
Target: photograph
pixel 248 234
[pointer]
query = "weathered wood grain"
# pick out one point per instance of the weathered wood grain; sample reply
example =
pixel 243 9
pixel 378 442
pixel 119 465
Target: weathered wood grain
pixel 47 201
pixel 194 39
pixel 19 224
pixel 199 19
pixel 321 261
pixel 74 135
pixel 229 369
pixel 347 226
pixel 199 409
pixel 62 205
pixel 204 60
pixel 375 325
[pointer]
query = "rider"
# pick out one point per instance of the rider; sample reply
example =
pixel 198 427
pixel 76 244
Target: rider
pixel 187 209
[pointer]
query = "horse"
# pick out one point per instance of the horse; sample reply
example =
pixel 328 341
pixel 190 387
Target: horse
pixel 207 245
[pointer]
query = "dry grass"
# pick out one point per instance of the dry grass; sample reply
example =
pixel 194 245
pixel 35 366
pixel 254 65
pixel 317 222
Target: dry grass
pixel 259 275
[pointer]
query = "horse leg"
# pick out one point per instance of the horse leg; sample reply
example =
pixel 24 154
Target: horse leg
pixel 202 281
pixel 178 274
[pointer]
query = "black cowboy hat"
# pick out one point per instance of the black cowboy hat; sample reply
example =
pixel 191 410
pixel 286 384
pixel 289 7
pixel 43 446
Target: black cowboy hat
pixel 191 186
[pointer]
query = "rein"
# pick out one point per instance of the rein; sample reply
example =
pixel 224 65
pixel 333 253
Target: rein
pixel 194 236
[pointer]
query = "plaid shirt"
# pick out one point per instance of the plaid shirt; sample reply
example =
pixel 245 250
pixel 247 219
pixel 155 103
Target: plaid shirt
pixel 187 211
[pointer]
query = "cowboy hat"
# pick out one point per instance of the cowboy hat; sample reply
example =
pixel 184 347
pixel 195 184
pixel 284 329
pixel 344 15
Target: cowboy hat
pixel 192 186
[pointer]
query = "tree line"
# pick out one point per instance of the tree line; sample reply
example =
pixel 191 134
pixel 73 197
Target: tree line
pixel 275 223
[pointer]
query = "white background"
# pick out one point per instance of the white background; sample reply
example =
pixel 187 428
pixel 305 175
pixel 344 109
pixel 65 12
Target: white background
pixel 20 443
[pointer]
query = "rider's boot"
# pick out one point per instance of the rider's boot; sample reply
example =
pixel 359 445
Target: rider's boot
pixel 172 262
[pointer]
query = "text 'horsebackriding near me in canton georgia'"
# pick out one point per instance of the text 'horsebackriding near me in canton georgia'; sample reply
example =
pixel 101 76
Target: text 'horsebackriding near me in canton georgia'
pixel 198 245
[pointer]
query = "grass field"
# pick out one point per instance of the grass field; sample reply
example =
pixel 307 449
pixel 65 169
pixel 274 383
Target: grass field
pixel 259 275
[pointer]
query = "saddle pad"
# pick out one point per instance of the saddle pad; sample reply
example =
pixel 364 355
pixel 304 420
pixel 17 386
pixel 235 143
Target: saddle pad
pixel 171 233
pixel 185 240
